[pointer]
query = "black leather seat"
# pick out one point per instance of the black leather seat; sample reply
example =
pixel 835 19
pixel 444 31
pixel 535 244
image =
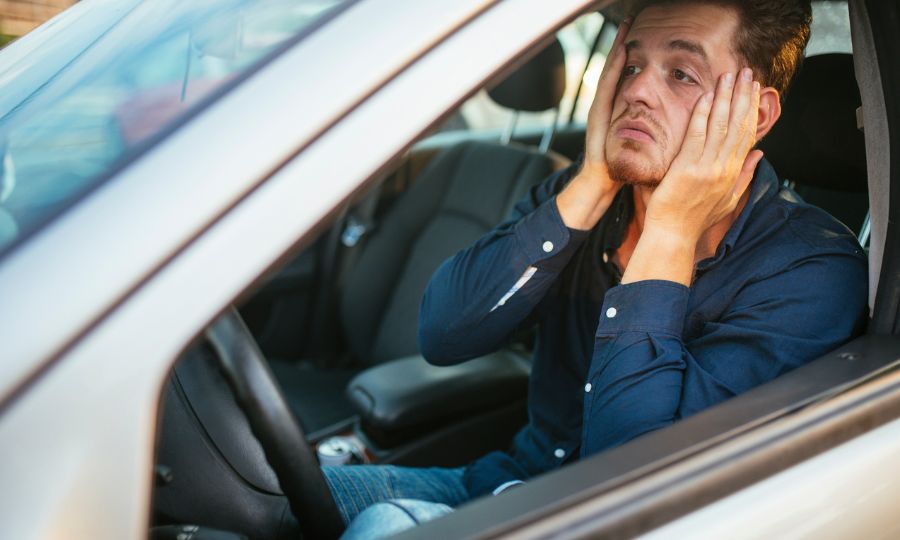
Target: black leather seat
pixel 816 145
pixel 463 192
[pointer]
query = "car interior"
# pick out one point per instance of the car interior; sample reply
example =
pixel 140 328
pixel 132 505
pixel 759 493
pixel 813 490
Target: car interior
pixel 326 346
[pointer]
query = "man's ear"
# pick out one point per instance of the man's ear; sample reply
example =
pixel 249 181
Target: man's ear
pixel 769 111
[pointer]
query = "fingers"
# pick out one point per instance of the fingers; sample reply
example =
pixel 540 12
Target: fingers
pixel 695 137
pixel 617 52
pixel 731 129
pixel 612 69
pixel 717 128
pixel 744 110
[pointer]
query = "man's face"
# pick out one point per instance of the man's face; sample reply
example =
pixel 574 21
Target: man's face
pixel 676 53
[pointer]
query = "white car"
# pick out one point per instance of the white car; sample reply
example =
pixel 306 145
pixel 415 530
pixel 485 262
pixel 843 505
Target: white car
pixel 164 161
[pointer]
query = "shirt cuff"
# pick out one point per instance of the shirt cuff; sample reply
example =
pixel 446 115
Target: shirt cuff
pixel 653 306
pixel 506 485
pixel 547 242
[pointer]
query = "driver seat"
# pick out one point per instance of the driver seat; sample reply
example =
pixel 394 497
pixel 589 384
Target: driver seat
pixel 817 146
pixel 461 194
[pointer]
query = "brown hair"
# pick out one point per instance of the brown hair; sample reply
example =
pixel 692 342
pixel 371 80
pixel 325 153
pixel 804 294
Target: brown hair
pixel 771 35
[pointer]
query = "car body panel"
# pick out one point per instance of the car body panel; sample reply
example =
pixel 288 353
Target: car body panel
pixel 207 210
pixel 174 191
pixel 666 474
pixel 116 335
pixel 845 492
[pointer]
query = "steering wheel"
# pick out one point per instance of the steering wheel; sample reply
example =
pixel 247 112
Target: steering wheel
pixel 276 428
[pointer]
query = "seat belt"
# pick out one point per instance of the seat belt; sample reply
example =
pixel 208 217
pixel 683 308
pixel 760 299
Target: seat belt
pixel 865 231
pixel 343 247
pixel 360 220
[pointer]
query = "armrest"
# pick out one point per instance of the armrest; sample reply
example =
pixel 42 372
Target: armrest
pixel 410 392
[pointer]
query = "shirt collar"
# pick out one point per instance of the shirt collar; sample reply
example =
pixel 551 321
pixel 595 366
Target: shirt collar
pixel 763 186
pixel 616 220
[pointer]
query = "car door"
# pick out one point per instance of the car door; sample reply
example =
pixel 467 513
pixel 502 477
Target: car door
pixel 809 455
pixel 213 202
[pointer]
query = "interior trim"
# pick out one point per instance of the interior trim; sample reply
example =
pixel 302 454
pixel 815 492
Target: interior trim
pixel 883 19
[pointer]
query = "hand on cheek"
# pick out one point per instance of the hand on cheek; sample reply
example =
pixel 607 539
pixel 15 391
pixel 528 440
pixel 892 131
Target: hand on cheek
pixel 716 161
pixel 600 114
pixel 704 183
pixel 589 194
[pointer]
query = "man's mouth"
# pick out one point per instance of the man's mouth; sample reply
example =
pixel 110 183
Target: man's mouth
pixel 635 130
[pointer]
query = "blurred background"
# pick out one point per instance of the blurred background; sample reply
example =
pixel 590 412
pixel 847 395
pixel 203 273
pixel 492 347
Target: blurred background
pixel 18 17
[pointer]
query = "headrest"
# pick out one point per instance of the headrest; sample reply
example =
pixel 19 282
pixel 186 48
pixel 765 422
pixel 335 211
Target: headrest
pixel 537 85
pixel 817 142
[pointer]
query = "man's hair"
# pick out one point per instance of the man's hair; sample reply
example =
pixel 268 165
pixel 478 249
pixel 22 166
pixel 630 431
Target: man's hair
pixel 771 35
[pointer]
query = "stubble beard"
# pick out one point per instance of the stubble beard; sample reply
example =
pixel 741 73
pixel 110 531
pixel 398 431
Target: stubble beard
pixel 627 172
pixel 631 171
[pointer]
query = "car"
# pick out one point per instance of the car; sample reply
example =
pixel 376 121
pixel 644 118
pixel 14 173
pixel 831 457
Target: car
pixel 174 169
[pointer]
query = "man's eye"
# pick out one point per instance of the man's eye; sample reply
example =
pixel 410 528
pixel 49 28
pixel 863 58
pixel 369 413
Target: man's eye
pixel 680 75
pixel 630 70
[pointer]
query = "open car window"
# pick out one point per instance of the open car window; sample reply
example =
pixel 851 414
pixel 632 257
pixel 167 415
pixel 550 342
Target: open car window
pixel 583 65
pixel 830 29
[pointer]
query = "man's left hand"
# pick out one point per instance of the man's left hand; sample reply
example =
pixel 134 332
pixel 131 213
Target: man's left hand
pixel 715 165
pixel 704 183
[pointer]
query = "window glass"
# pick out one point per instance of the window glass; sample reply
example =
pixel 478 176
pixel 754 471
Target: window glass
pixel 140 73
pixel 830 33
pixel 480 113
pixel 830 29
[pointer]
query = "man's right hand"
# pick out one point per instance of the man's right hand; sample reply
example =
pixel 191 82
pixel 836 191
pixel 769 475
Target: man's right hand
pixel 587 197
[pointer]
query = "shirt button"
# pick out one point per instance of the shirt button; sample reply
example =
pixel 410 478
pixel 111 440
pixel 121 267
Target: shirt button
pixel 547 247
pixel 559 453
pixel 611 312
pixel 587 387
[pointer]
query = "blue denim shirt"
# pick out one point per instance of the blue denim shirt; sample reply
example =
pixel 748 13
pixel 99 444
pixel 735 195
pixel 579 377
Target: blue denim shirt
pixel 611 362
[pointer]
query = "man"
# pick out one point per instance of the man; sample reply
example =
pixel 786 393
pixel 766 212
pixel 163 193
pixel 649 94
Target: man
pixel 667 272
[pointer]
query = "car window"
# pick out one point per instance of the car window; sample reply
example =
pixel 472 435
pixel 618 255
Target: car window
pixel 265 316
pixel 583 65
pixel 142 73
pixel 830 31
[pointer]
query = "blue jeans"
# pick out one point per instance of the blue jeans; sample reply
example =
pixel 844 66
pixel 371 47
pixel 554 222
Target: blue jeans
pixel 386 519
pixel 412 495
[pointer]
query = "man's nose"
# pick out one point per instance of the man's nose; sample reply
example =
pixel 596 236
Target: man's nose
pixel 642 88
